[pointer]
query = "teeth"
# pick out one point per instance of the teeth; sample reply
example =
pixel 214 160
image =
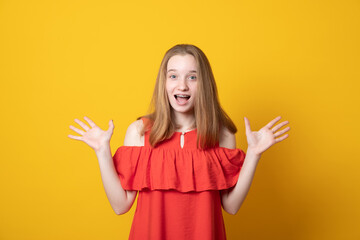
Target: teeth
pixel 182 95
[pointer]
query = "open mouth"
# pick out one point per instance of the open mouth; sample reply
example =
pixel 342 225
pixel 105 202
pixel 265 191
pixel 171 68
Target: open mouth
pixel 181 98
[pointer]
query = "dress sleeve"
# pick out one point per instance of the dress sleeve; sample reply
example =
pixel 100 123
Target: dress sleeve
pixel 130 164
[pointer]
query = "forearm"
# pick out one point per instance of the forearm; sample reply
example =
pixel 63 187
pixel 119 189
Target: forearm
pixel 233 200
pixel 116 195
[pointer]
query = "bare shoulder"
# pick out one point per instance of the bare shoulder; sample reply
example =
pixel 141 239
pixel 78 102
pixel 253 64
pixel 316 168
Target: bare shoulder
pixel 227 139
pixel 133 136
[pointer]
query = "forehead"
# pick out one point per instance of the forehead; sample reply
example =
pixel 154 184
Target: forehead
pixel 182 63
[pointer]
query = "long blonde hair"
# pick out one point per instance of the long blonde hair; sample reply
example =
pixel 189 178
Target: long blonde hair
pixel 209 115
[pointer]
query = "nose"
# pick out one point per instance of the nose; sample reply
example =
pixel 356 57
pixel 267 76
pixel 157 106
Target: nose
pixel 182 85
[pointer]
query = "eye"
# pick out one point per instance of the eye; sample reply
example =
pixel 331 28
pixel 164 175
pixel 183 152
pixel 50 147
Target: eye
pixel 192 77
pixel 171 76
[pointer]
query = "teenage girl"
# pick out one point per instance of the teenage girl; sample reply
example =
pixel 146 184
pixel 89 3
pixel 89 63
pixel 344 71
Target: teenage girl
pixel 181 159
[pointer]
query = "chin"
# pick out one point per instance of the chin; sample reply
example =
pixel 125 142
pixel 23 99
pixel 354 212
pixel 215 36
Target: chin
pixel 185 111
pixel 182 109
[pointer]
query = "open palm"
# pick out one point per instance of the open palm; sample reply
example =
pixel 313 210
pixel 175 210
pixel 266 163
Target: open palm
pixel 95 137
pixel 260 141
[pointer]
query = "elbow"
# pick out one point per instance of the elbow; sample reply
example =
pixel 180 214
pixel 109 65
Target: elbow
pixel 124 206
pixel 231 207
pixel 120 210
pixel 232 211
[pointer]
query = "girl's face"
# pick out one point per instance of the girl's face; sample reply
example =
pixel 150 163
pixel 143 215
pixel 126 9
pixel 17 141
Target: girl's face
pixel 181 82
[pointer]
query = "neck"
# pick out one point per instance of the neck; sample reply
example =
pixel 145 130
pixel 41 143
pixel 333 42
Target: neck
pixel 184 121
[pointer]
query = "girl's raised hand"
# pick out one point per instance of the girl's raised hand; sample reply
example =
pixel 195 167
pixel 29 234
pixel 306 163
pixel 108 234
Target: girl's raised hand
pixel 267 136
pixel 94 136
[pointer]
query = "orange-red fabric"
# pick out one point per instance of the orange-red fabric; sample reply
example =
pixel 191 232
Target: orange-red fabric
pixel 179 195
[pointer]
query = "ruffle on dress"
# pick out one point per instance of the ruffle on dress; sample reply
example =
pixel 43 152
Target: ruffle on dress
pixel 184 170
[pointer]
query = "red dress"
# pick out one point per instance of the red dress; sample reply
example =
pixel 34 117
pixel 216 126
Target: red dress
pixel 179 195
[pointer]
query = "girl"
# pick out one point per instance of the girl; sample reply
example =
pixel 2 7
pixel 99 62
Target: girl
pixel 181 158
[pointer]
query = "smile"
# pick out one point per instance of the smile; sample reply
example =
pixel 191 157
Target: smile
pixel 182 99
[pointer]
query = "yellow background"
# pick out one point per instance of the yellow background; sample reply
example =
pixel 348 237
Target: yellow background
pixel 61 60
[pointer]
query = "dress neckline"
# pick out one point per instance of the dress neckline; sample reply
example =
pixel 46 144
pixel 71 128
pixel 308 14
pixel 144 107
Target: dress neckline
pixel 188 131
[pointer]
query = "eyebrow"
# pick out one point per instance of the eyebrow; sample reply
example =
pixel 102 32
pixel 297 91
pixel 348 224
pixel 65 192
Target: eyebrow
pixel 175 70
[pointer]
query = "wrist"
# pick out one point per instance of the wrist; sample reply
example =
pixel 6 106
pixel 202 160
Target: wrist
pixel 251 152
pixel 103 148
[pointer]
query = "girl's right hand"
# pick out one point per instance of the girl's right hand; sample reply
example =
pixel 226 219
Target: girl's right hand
pixel 95 137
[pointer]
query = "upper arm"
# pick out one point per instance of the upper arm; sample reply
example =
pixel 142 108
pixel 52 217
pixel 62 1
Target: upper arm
pixel 133 136
pixel 227 140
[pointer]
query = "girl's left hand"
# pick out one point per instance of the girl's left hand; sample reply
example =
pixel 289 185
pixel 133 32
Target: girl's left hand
pixel 263 139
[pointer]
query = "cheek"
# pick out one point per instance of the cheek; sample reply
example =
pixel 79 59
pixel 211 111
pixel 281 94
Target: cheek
pixel 168 91
pixel 169 87
pixel 194 88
